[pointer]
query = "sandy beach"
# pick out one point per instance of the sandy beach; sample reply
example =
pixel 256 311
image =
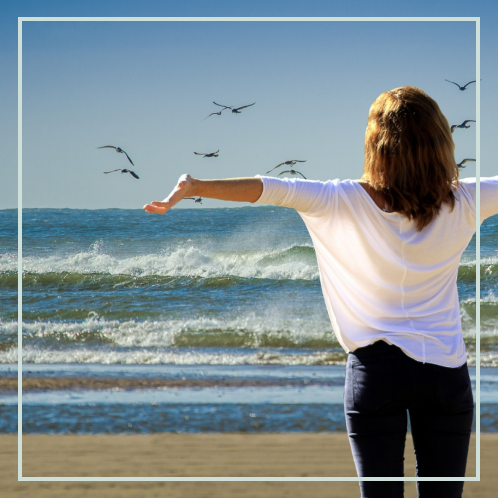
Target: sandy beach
pixel 204 455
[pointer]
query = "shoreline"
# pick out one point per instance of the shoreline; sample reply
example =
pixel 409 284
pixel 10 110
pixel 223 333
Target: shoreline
pixel 63 383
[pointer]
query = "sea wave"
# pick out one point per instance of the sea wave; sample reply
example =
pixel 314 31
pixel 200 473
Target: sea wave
pixel 488 270
pixel 8 262
pixel 488 309
pixel 251 330
pixel 193 356
pixel 175 357
pixel 248 339
pixel 294 262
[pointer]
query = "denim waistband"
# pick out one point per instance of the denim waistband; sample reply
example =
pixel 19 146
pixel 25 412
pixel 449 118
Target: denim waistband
pixel 377 348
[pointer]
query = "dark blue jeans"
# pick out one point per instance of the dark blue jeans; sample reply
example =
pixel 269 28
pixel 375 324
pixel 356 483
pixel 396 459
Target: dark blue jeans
pixel 382 385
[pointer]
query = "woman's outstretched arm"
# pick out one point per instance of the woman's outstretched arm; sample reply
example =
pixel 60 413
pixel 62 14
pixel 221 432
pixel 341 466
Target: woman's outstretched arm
pixel 231 189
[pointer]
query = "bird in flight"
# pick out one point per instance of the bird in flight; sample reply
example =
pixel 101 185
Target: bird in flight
pixel 292 172
pixel 461 165
pixel 462 88
pixel 217 113
pixel 132 173
pixel 235 110
pixel 288 163
pixel 117 149
pixel 210 154
pixel 463 125
pixel 195 199
pixel 224 106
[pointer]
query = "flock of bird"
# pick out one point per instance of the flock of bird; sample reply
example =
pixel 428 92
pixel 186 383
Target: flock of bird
pixel 121 151
pixel 292 162
pixel 237 110
pixel 464 124
pixel 291 171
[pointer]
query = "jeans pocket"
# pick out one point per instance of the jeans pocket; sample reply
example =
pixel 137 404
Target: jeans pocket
pixel 372 382
pixel 453 387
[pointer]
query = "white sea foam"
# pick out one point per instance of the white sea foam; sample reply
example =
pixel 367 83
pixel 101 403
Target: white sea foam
pixel 194 357
pixel 471 262
pixel 489 297
pixel 8 262
pixel 187 260
pixel 96 340
pixel 152 342
pixel 255 327
pixel 162 333
pixel 173 357
pixel 192 259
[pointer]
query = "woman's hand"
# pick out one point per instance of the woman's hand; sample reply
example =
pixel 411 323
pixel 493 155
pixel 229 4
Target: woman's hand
pixel 182 189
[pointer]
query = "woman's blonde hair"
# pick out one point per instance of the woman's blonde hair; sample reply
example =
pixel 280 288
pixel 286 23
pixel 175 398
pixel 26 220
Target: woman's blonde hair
pixel 409 154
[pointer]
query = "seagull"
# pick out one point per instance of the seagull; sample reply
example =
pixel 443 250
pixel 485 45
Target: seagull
pixel 217 113
pixel 210 154
pixel 236 110
pixel 132 173
pixel 118 149
pixel 195 199
pixel 224 106
pixel 292 172
pixel 461 165
pixel 463 125
pixel 462 88
pixel 288 163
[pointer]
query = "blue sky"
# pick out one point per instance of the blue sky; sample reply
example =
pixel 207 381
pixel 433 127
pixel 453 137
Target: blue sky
pixel 148 86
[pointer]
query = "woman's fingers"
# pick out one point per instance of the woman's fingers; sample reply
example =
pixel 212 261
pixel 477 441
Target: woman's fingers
pixel 150 208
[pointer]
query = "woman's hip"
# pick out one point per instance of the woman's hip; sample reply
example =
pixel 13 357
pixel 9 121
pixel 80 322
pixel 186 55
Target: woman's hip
pixel 382 377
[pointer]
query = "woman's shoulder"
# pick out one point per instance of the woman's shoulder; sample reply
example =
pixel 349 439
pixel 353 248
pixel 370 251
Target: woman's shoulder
pixel 488 188
pixel 343 188
pixel 471 182
pixel 346 185
pixel 467 187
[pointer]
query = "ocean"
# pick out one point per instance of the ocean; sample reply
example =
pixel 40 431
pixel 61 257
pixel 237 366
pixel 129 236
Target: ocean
pixel 232 292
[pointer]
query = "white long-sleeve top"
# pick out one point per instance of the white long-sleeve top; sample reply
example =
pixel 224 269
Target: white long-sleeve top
pixel 381 278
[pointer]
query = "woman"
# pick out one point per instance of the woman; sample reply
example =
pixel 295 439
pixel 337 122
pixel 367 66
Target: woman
pixel 388 248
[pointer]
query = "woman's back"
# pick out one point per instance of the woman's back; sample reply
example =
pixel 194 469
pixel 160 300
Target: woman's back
pixel 381 277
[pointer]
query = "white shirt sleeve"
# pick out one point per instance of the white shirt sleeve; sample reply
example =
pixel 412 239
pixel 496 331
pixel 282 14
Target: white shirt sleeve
pixel 310 197
pixel 489 197
pixel 489 194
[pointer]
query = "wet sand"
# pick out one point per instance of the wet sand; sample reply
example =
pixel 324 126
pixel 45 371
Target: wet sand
pixel 202 455
pixel 63 383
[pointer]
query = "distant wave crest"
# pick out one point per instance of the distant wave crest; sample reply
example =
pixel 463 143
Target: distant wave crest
pixel 294 262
